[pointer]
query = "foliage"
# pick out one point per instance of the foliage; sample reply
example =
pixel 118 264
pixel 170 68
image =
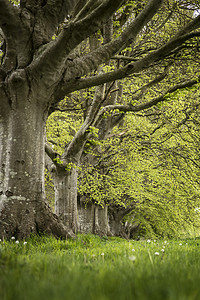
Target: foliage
pixel 151 167
pixel 146 164
pixel 91 267
pixel 61 127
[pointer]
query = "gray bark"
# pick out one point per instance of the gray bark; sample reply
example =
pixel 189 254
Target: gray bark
pixel 32 65
pixel 93 219
pixel 64 174
pixel 65 184
pixel 22 127
pixel 86 218
pixel 79 67
pixel 104 228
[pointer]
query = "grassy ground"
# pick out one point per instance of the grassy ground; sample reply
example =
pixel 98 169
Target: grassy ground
pixel 99 268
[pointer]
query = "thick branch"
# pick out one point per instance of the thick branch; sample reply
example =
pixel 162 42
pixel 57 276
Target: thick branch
pixel 46 17
pixel 52 61
pixel 56 11
pixel 88 63
pixel 50 152
pixel 76 146
pixel 130 68
pixel 15 34
pixel 8 16
pixel 78 7
pixel 122 57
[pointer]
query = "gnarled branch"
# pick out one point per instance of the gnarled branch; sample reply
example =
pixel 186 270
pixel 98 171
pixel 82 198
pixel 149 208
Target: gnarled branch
pixel 53 60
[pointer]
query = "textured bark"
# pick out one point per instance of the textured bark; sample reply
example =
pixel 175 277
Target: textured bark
pixel 32 65
pixel 117 226
pixel 85 218
pixel 65 184
pixel 107 221
pixel 22 127
pixel 80 66
pixel 103 221
pixel 93 219
pixel 64 177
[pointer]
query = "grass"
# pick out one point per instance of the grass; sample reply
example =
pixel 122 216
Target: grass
pixel 94 268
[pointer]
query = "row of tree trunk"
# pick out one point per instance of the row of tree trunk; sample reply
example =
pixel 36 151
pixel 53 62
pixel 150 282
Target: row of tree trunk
pixel 91 218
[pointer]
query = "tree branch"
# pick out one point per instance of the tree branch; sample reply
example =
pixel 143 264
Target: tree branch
pixel 153 82
pixel 88 63
pixel 122 57
pixel 50 152
pixel 129 69
pixel 78 142
pixel 56 11
pixel 140 107
pixel 46 17
pixel 89 6
pixel 15 34
pixel 78 7
pixel 53 60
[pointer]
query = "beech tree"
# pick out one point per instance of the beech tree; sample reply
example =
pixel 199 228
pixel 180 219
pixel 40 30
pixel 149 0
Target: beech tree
pixel 104 103
pixel 38 69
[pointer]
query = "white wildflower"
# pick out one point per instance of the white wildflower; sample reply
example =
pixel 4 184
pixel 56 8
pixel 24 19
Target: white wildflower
pixel 180 244
pixel 148 241
pixel 132 258
pixel 17 242
pixel 12 238
pixel 157 253
pixel 133 249
pixel 162 250
pixel 25 243
pixel 102 254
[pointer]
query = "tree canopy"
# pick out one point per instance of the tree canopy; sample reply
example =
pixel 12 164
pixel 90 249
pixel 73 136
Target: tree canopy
pixel 147 53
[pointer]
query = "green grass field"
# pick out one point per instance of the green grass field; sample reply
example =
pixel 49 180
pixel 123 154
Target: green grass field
pixel 97 268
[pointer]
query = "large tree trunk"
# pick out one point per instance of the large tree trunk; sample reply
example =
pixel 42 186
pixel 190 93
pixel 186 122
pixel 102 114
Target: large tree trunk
pixel 86 217
pixel 101 226
pixel 22 127
pixel 93 218
pixel 65 184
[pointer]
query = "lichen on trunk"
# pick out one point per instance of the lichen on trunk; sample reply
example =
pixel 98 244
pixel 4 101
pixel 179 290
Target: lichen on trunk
pixel 65 184
pixel 22 195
